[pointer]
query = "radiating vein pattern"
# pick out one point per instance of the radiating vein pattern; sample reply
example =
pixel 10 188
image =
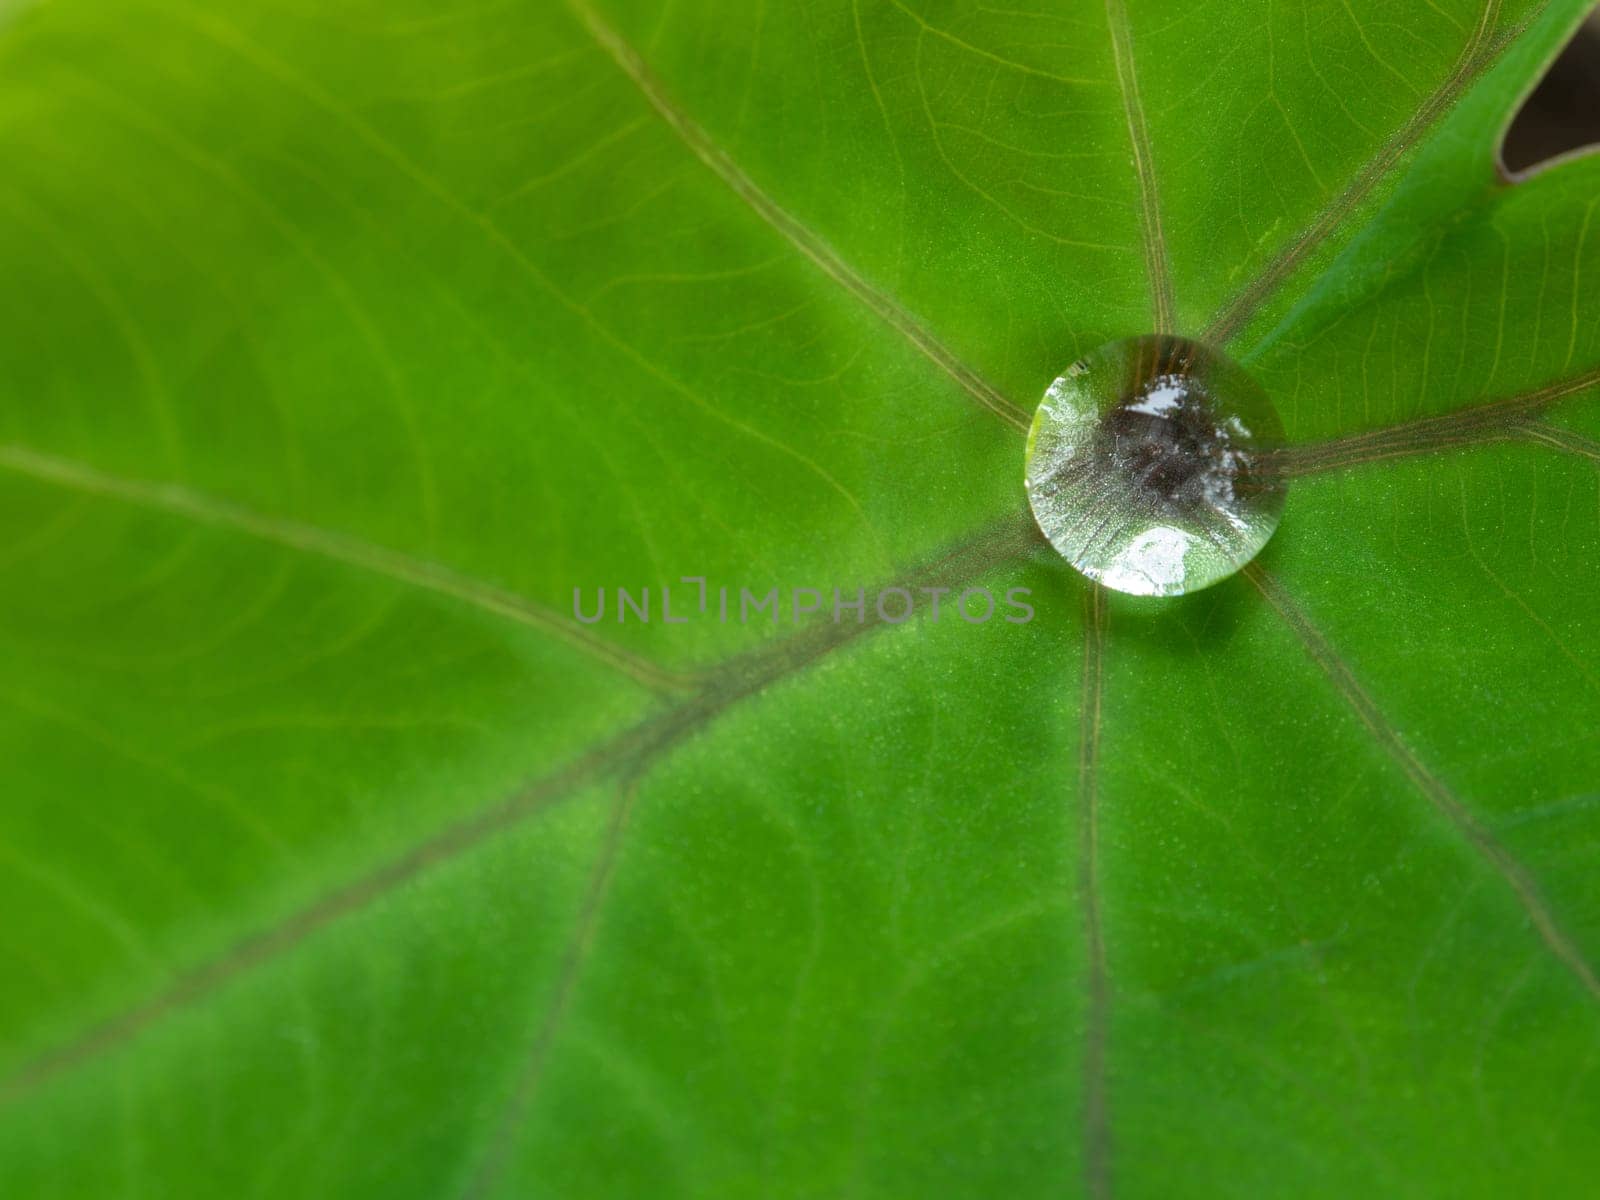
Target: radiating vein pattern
pixel 344 342
pixel 338 547
pixel 625 755
pixel 1157 270
pixel 1096 1131
pixel 808 243
pixel 1508 418
pixel 1482 47
pixel 1513 874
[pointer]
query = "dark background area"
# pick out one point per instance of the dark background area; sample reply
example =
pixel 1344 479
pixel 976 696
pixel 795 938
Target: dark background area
pixel 1563 114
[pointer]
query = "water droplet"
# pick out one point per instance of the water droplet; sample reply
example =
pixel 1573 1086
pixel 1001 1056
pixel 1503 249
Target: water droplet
pixel 1145 466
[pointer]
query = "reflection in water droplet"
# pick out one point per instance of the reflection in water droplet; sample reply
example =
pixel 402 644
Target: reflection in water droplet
pixel 1145 470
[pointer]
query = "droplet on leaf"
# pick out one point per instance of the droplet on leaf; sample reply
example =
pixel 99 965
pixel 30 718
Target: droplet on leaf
pixel 1146 466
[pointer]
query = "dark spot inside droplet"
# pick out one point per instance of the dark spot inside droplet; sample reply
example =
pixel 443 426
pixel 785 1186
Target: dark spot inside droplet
pixel 1146 466
pixel 1165 456
pixel 1167 437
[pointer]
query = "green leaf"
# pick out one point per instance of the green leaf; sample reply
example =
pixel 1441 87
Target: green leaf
pixel 344 342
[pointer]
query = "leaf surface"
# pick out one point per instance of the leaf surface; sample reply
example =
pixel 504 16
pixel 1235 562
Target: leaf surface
pixel 345 342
